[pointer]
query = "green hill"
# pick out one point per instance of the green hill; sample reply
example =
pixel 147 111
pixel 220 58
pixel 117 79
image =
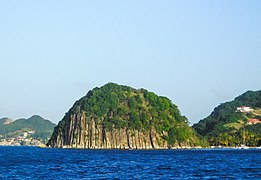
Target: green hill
pixel 5 121
pixel 225 125
pixel 116 116
pixel 43 128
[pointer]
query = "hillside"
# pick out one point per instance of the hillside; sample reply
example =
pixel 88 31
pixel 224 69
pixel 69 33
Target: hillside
pixel 11 129
pixel 227 123
pixel 5 121
pixel 116 116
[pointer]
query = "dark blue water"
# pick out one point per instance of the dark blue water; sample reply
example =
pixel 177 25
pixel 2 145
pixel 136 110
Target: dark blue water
pixel 37 163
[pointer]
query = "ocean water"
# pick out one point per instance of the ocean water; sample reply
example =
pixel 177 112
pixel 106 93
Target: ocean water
pixel 38 163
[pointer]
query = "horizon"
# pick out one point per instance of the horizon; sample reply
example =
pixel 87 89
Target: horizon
pixel 196 53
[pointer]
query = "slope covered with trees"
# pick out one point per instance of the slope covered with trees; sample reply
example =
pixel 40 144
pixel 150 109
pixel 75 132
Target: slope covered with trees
pixel 227 126
pixel 43 128
pixel 116 116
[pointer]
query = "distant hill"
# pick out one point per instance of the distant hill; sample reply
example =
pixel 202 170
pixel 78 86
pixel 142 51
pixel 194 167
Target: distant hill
pixel 43 128
pixel 226 124
pixel 5 121
pixel 119 117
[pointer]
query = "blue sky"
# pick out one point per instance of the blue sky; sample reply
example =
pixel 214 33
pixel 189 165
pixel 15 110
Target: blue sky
pixel 197 53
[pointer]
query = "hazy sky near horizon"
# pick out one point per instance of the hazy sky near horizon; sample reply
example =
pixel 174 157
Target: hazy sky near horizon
pixel 197 53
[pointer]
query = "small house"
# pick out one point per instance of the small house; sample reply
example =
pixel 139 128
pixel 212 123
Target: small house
pixel 244 109
pixel 253 121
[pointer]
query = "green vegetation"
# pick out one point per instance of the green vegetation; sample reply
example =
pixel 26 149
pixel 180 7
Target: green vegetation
pixel 225 126
pixel 43 128
pixel 116 106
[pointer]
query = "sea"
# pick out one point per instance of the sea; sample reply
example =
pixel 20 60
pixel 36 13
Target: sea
pixel 47 163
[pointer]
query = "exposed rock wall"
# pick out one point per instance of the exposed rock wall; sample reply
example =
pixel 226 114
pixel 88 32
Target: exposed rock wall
pixel 121 117
pixel 81 132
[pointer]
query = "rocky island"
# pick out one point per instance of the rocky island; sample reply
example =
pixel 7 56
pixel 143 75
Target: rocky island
pixel 120 117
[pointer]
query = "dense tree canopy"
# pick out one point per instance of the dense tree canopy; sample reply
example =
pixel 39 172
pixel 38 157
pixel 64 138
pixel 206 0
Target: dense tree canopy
pixel 225 125
pixel 116 106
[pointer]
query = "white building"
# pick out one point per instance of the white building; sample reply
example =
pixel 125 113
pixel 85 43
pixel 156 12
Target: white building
pixel 31 132
pixel 244 109
pixel 25 134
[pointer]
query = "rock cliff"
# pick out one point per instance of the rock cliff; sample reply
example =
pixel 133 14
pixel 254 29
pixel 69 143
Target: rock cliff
pixel 120 117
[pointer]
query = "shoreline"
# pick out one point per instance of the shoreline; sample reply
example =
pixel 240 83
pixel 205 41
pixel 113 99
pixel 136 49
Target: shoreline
pixel 160 149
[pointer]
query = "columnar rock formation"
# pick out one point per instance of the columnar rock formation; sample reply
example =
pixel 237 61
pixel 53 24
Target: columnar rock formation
pixel 80 133
pixel 119 117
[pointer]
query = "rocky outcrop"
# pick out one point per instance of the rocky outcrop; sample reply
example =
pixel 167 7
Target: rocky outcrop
pixel 81 133
pixel 120 117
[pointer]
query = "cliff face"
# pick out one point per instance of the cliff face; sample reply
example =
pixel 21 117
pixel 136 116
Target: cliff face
pixel 80 133
pixel 122 124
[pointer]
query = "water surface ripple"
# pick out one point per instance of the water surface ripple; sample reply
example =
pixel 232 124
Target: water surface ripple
pixel 38 163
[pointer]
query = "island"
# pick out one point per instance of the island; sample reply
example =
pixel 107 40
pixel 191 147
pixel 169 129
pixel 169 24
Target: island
pixel 121 117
